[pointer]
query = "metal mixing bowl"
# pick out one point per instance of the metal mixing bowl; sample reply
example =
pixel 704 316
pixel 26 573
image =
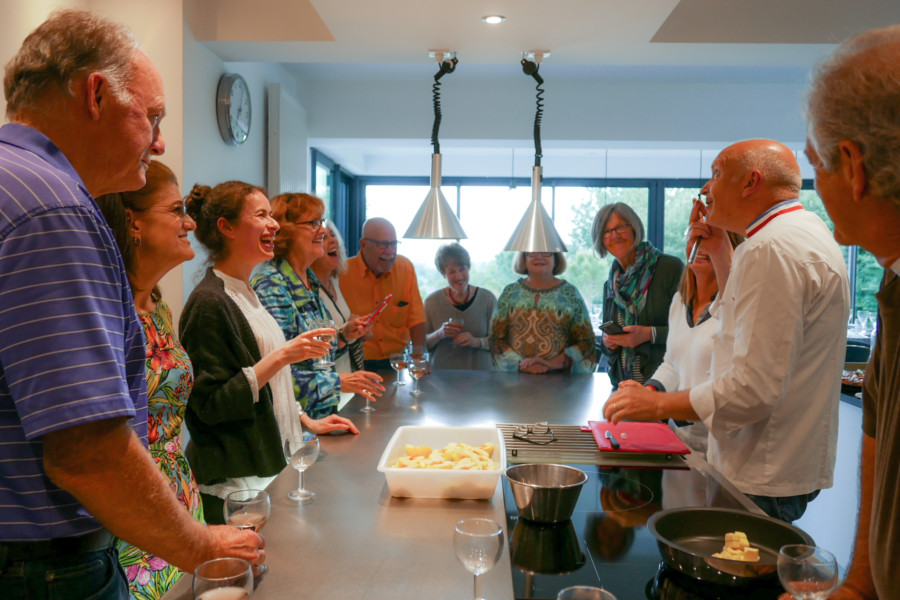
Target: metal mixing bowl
pixel 688 537
pixel 545 493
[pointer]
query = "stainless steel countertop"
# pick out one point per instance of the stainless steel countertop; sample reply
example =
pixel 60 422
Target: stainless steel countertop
pixel 356 541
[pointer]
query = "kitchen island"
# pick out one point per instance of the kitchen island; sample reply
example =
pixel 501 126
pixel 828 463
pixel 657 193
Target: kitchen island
pixel 355 541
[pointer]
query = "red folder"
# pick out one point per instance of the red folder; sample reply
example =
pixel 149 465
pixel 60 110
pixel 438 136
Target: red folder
pixel 648 438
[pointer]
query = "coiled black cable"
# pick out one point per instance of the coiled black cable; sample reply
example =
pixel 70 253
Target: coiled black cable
pixel 447 66
pixel 532 68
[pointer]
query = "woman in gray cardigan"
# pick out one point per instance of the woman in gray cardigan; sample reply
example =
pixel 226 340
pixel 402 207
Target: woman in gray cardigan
pixel 636 296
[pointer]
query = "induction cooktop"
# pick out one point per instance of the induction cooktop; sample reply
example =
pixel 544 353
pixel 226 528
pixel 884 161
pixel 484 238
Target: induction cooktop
pixel 606 542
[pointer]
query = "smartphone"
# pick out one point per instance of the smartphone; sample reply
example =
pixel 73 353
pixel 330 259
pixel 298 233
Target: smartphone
pixel 611 328
pixel 378 310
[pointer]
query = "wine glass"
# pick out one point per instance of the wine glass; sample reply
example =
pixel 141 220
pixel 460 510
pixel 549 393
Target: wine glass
pixel 223 579
pixel 323 363
pixel 399 361
pixel 807 572
pixel 584 592
pixel 301 453
pixel 478 544
pixel 418 367
pixel 248 509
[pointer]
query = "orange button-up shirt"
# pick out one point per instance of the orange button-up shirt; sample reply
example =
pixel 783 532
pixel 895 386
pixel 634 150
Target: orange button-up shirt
pixel 364 292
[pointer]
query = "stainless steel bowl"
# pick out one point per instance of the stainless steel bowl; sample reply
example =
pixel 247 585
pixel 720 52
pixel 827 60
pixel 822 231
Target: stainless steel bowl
pixel 688 537
pixel 545 493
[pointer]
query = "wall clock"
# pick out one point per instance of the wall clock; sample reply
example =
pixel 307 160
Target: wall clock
pixel 233 109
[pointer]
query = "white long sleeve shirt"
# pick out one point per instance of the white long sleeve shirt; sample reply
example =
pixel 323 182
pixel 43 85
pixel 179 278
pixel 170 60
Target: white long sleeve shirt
pixel 772 403
pixel 687 363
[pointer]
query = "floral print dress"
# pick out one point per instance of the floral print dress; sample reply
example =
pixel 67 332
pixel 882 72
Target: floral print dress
pixel 169 382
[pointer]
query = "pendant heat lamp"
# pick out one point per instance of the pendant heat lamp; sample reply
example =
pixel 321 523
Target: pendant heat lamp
pixel 435 219
pixel 535 232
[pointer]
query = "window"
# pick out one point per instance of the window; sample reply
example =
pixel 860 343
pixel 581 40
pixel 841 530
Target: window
pixel 489 213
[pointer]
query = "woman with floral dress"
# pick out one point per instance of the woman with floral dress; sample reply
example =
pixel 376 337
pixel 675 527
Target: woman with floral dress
pixel 151 227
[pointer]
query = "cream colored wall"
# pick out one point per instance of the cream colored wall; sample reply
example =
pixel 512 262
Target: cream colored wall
pixel 157 26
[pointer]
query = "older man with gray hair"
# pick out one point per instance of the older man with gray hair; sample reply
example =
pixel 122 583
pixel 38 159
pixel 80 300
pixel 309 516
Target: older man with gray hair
pixel 853 141
pixel 84 105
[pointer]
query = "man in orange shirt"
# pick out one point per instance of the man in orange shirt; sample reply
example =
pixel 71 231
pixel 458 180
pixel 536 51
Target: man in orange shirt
pixel 373 274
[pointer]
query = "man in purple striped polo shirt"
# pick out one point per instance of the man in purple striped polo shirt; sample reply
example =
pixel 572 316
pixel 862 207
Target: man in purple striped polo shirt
pixel 84 105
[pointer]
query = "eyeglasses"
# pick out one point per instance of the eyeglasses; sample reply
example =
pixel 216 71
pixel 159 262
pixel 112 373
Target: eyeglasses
pixel 532 433
pixel 383 245
pixel 315 223
pixel 179 209
pixel 618 229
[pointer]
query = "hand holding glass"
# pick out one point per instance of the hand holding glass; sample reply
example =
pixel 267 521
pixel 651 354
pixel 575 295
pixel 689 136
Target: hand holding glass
pixel 248 509
pixel 323 363
pixel 301 453
pixel 807 572
pixel 478 544
pixel 223 579
pixel 399 361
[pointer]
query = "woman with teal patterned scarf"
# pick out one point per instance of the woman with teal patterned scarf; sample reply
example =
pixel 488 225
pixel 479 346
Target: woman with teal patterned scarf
pixel 642 281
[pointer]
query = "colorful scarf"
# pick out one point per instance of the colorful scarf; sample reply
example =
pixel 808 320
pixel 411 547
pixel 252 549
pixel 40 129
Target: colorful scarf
pixel 630 292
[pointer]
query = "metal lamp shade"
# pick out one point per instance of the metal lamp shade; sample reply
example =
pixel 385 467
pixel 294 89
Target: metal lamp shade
pixel 435 219
pixel 535 232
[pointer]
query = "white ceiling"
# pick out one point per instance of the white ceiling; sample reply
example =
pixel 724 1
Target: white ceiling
pixel 767 41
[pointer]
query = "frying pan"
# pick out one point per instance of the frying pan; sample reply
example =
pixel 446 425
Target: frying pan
pixel 688 537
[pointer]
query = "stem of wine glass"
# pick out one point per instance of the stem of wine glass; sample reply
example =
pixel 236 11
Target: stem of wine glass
pixel 300 482
pixel 415 386
pixel 476 592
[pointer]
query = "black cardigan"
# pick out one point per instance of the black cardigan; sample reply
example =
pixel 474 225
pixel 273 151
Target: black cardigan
pixel 666 278
pixel 231 436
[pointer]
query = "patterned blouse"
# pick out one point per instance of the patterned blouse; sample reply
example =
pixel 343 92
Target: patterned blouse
pixel 293 305
pixel 169 382
pixel 529 322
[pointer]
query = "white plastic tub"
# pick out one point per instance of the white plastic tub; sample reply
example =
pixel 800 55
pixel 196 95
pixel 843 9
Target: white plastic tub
pixel 442 483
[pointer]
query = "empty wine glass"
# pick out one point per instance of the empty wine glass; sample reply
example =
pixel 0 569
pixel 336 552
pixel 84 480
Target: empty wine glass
pixel 478 544
pixel 418 367
pixel 323 362
pixel 399 361
pixel 301 453
pixel 807 572
pixel 223 579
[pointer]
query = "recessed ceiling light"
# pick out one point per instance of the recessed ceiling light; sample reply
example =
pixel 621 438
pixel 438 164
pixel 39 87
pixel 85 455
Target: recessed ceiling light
pixel 493 19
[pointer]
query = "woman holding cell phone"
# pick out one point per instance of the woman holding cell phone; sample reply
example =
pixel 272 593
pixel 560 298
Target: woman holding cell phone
pixel 636 296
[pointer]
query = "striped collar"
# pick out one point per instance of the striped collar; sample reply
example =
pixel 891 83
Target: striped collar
pixel 779 209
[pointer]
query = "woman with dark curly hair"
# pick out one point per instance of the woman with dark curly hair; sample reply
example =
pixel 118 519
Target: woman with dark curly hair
pixel 243 406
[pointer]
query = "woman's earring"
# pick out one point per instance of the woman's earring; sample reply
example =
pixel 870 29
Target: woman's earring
pixel 137 241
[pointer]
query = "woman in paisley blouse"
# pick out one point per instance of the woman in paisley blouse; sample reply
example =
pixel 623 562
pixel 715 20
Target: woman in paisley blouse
pixel 289 290
pixel 541 323
pixel 151 229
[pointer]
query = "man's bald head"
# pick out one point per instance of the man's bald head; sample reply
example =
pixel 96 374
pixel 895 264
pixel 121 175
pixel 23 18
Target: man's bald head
pixel 747 178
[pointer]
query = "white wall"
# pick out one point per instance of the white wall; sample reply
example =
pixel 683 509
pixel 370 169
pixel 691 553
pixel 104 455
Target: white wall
pixel 157 26
pixel 208 159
